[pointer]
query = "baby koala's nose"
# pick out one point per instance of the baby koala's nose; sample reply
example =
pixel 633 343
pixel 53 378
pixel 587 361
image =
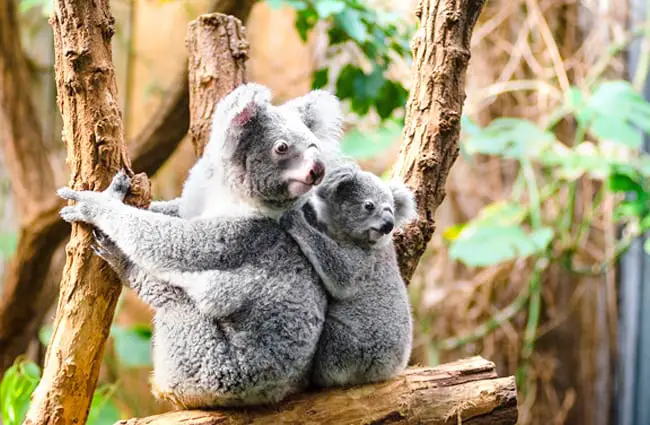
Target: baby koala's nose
pixel 386 227
pixel 316 172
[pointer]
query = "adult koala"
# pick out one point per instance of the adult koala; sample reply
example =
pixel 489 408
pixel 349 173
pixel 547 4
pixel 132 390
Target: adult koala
pixel 238 308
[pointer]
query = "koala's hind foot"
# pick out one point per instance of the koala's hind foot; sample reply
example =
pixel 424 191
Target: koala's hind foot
pixel 106 249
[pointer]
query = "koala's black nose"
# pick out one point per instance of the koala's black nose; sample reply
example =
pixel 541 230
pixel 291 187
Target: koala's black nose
pixel 386 227
pixel 316 172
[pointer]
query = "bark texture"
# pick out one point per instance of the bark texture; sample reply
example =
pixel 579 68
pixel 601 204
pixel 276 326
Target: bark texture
pixel 441 52
pixel 218 53
pixel 93 134
pixel 33 191
pixel 171 121
pixel 467 392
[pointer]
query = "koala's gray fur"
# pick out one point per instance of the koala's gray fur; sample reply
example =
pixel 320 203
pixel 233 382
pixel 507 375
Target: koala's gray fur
pixel 368 330
pixel 238 307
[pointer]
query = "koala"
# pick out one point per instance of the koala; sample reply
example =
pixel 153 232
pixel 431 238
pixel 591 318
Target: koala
pixel 238 309
pixel 345 229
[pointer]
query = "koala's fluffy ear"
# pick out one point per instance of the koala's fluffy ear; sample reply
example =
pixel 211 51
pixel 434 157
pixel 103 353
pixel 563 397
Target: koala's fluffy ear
pixel 337 180
pixel 321 113
pixel 234 112
pixel 405 208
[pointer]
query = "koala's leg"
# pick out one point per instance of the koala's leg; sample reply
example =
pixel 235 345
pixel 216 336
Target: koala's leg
pixel 157 242
pixel 338 267
pixel 152 291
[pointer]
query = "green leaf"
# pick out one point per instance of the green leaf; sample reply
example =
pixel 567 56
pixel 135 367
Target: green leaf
pixel 17 385
pixel 327 8
pixel 319 78
pixel 350 21
pixel 452 233
pixel 8 244
pixel 364 145
pixel 132 346
pixel 572 163
pixel 102 410
pixel 391 96
pixel 345 82
pixel 615 112
pixel 45 335
pixel 480 246
pixel 511 138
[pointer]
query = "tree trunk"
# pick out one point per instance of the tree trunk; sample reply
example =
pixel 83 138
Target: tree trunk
pixel 441 52
pixel 33 191
pixel 467 392
pixel 93 133
pixel 218 52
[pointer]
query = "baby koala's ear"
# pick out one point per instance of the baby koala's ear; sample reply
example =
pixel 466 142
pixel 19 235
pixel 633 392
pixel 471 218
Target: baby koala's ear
pixel 405 207
pixel 321 113
pixel 336 181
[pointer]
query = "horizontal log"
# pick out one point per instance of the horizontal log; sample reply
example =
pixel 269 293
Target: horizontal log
pixel 464 392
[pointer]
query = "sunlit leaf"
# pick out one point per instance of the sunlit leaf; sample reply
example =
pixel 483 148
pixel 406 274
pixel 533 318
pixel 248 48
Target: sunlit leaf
pixel 511 138
pixel 17 385
pixel 102 410
pixel 480 246
pixel 327 8
pixel 132 346
pixel 363 145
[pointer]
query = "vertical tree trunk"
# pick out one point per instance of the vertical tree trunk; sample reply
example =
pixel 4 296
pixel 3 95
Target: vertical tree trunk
pixel 430 147
pixel 218 53
pixel 32 182
pixel 92 131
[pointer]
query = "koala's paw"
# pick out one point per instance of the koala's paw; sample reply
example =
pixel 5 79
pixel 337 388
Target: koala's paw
pixel 85 208
pixel 119 186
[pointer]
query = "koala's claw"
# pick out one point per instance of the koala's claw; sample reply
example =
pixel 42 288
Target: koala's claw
pixel 67 193
pixel 99 236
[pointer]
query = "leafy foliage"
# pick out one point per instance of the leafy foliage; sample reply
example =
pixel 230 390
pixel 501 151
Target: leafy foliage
pixel 19 382
pixel 378 35
pixel 363 145
pixel 133 345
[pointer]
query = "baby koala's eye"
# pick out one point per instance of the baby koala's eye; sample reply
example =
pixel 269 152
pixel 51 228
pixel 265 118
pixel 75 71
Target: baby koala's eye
pixel 281 147
pixel 369 206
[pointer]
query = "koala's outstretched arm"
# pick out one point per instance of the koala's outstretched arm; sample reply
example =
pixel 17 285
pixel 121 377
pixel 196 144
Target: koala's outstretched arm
pixel 157 242
pixel 340 268
pixel 171 207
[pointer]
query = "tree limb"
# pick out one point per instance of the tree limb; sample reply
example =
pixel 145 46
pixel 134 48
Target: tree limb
pixel 33 191
pixel 467 392
pixel 441 51
pixel 93 134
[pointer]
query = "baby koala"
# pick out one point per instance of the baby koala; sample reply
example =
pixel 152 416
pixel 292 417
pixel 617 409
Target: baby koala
pixel 345 230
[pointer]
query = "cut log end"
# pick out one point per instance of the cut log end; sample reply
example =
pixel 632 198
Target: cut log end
pixel 467 391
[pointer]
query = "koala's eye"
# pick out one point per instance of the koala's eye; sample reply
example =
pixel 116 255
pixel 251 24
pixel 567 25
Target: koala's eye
pixel 369 206
pixel 281 147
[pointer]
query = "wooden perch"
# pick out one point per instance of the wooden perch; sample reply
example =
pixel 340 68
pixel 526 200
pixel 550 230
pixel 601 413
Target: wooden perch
pixel 466 392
